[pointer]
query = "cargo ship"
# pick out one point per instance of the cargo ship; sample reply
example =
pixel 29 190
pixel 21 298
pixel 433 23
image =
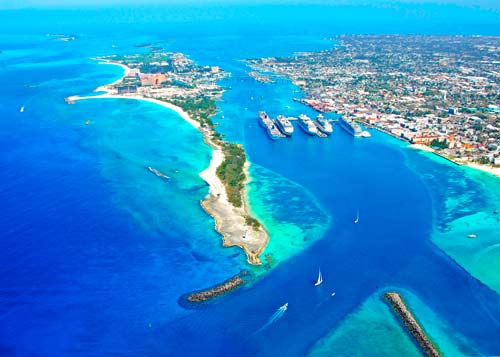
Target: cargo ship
pixel 307 125
pixel 324 124
pixel 284 125
pixel 267 123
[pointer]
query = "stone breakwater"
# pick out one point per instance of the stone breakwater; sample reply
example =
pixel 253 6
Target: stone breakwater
pixel 221 289
pixel 411 324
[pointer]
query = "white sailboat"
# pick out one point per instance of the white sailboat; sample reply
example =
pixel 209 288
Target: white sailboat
pixel 320 278
pixel 21 109
pixel 356 220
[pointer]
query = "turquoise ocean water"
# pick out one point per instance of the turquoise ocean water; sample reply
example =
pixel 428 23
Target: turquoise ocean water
pixel 96 251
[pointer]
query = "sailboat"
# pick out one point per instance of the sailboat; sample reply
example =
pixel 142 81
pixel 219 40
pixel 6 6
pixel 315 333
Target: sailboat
pixel 21 109
pixel 356 220
pixel 320 278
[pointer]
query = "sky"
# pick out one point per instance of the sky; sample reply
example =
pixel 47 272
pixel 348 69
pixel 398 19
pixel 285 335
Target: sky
pixel 20 4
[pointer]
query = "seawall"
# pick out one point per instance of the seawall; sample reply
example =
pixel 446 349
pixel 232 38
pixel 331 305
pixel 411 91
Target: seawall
pixel 412 324
pixel 217 290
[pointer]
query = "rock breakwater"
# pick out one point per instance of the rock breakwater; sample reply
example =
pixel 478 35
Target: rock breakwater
pixel 412 324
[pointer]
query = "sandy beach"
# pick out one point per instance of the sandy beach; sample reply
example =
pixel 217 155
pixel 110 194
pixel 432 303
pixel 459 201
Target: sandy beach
pixel 485 168
pixel 170 106
pixel 126 70
pixel 489 169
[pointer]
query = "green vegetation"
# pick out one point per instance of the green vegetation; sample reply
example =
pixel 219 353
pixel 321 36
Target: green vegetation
pixel 252 222
pixel 484 160
pixel 200 108
pixel 436 144
pixel 231 173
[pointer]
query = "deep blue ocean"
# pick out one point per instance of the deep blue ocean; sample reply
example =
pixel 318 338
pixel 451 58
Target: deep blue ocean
pixel 96 253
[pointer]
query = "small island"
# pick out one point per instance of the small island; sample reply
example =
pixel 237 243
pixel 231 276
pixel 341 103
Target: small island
pixel 176 82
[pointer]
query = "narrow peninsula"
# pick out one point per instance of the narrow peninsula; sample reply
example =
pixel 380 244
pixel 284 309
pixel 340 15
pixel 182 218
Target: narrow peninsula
pixel 176 82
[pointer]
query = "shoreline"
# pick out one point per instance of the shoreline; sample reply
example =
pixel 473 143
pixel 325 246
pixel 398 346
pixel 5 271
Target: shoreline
pixel 164 104
pixel 230 221
pixel 125 68
pixel 495 171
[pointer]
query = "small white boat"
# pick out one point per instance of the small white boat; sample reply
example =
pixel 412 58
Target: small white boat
pixel 284 307
pixel 21 109
pixel 471 236
pixel 333 294
pixel 320 279
pixel 356 220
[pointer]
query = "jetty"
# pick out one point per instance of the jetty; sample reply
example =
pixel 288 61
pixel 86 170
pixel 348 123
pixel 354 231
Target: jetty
pixel 412 324
pixel 217 290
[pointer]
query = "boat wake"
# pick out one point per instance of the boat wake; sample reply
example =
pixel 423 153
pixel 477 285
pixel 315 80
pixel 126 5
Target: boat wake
pixel 275 317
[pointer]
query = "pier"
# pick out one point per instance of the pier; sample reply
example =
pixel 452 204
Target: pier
pixel 217 290
pixel 412 324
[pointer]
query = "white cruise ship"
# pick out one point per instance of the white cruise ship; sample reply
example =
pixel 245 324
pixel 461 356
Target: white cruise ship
pixel 307 125
pixel 324 124
pixel 284 125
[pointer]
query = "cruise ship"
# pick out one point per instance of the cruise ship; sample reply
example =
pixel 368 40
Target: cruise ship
pixel 307 125
pixel 351 127
pixel 272 130
pixel 284 125
pixel 324 124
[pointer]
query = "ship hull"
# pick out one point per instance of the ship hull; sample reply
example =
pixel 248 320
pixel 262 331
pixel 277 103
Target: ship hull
pixel 282 128
pixel 305 129
pixel 348 128
pixel 322 128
